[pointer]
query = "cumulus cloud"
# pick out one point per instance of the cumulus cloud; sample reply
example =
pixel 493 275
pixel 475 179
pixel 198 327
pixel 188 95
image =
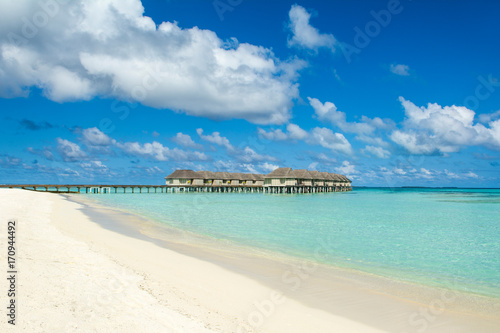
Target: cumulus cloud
pixel 329 112
pixel 159 152
pixel 323 158
pixel 95 137
pixel 326 138
pixel 95 167
pixel 248 155
pixel 215 138
pixel 7 161
pixel 243 154
pixel 453 175
pixel 233 166
pixel 45 152
pixel 185 140
pixel 304 35
pixel 268 167
pixel 437 129
pixel 399 69
pixel 70 151
pixel 347 169
pixel 317 136
pixel 109 48
pixel 150 170
pixel 488 117
pixel 377 151
pixel 294 132
pixel 273 135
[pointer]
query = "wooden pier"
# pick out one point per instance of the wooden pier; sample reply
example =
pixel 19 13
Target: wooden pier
pixel 94 188
pixel 105 189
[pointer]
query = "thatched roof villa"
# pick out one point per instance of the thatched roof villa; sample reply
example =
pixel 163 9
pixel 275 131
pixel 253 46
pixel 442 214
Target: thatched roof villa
pixel 280 180
pixel 184 177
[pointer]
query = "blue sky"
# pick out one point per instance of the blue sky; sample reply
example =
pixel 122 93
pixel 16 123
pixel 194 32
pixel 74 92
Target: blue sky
pixel 389 93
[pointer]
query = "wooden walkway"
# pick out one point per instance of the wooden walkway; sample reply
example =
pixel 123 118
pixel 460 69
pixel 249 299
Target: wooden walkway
pixel 100 188
pixel 94 188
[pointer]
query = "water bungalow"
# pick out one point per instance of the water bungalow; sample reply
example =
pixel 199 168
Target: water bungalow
pixel 280 180
pixel 303 177
pixel 184 178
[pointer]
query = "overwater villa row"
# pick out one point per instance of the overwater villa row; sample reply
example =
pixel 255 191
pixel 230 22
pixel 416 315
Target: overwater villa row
pixel 281 180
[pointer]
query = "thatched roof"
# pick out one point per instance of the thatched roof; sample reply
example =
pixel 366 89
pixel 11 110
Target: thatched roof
pixel 300 174
pixel 221 175
pixel 246 176
pixel 206 174
pixel 184 174
pixel 344 178
pixel 235 175
pixel 316 175
pixel 258 176
pixel 326 175
pixel 335 177
pixel 279 173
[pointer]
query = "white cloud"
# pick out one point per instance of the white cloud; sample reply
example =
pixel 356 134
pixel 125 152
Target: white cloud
pixel 347 169
pixel 317 136
pixel 417 143
pixel 373 140
pixel 377 151
pixel 424 173
pixel 186 141
pixel 150 170
pixel 431 129
pixel 294 132
pixel 215 138
pixel 312 166
pixel 399 171
pixel 157 151
pixel 94 137
pixel 333 141
pixel 451 175
pixel 487 117
pixel 328 112
pixel 400 69
pixel 107 48
pixel 70 151
pixel 232 166
pixel 45 152
pixel 268 167
pixel 95 167
pixel 273 135
pixel 9 161
pixel 471 174
pixel 323 158
pixel 304 35
pixel 248 155
pixel 67 172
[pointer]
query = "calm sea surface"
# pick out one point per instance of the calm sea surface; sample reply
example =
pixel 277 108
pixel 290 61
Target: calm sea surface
pixel 439 237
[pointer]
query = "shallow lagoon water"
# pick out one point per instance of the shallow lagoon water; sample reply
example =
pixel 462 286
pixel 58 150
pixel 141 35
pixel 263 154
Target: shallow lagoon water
pixel 440 237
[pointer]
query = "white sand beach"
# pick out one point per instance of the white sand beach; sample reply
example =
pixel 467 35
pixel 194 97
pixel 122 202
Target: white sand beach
pixel 74 275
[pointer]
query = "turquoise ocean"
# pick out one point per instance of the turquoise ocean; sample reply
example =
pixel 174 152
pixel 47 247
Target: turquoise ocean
pixel 439 237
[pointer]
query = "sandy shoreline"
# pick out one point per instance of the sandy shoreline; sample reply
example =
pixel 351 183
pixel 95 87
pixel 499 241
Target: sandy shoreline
pixel 76 275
